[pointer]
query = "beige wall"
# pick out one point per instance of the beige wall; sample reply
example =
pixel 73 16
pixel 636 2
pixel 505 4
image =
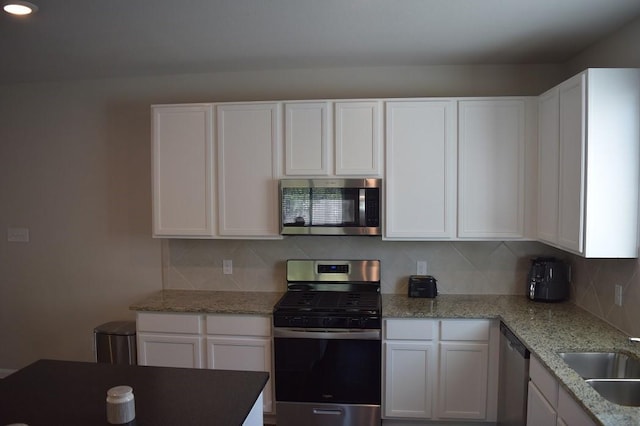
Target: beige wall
pixel 620 50
pixel 74 167
pixel 75 170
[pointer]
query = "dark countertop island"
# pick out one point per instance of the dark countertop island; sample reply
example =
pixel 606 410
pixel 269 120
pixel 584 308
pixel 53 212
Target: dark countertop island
pixel 70 393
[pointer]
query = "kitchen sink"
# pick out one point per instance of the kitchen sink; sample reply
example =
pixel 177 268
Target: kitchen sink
pixel 614 375
pixel 618 391
pixel 603 365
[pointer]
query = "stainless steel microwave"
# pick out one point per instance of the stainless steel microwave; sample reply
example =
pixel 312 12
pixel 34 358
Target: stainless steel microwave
pixel 330 206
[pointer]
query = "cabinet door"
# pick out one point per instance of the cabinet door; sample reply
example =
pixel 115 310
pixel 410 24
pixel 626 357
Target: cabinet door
pixel 539 411
pixel 463 380
pixel 357 138
pixel 572 163
pixel 570 412
pixel 409 379
pixel 306 138
pixel 420 169
pixel 491 168
pixel 247 169
pixel 182 170
pixel 548 165
pixel 243 354
pixel 169 350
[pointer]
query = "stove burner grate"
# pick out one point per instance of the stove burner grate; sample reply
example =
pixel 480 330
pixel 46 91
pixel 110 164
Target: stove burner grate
pixel 329 300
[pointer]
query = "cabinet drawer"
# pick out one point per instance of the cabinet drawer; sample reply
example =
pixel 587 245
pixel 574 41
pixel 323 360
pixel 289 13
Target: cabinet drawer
pixel 471 330
pixel 544 381
pixel 409 329
pixel 169 323
pixel 239 325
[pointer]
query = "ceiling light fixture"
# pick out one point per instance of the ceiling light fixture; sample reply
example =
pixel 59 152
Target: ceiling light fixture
pixel 20 7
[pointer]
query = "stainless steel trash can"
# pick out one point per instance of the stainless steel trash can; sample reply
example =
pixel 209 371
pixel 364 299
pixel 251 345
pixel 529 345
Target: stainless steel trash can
pixel 115 342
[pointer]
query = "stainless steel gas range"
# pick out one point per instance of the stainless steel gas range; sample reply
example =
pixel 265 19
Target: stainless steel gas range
pixel 327 344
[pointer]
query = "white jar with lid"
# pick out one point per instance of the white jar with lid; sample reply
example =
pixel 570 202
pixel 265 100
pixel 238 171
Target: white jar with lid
pixel 120 405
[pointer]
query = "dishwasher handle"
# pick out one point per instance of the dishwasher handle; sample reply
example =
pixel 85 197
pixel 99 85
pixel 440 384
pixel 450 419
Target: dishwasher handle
pixel 513 342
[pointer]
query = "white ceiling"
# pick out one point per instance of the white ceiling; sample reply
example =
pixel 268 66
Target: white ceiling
pixel 71 39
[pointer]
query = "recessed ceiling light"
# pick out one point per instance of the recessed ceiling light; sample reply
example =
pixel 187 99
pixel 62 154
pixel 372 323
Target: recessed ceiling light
pixel 19 7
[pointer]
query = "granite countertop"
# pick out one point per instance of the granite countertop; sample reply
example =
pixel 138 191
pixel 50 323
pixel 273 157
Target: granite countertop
pixel 545 328
pixel 209 302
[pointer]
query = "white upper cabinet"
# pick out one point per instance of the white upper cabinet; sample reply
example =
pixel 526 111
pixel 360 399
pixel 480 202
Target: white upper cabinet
pixel 332 138
pixel 595 174
pixel 357 138
pixel 182 170
pixel 248 151
pixel 548 154
pixel 420 169
pixel 491 168
pixel 307 138
pixel 572 163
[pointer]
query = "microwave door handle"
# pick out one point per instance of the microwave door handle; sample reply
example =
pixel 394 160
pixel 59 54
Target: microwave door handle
pixel 362 198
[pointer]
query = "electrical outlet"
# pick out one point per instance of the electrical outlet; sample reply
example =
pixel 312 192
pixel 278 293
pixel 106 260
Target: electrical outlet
pixel 227 266
pixel 18 235
pixel 618 295
pixel 421 267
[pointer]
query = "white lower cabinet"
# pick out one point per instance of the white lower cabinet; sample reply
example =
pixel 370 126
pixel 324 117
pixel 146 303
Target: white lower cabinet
pixel 463 380
pixel 409 378
pixel 223 342
pixel 570 413
pixel 169 340
pixel 170 350
pixel 539 410
pixel 240 342
pixel 439 369
pixel 550 404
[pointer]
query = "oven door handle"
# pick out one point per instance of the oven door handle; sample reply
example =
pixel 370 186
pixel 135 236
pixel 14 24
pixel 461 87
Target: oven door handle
pixel 306 333
pixel 328 411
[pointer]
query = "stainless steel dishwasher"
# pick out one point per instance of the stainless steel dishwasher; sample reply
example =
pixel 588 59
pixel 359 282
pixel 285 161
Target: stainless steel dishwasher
pixel 513 380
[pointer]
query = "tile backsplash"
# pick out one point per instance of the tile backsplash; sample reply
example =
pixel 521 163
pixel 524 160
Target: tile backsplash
pixel 477 267
pixel 594 282
pixel 461 267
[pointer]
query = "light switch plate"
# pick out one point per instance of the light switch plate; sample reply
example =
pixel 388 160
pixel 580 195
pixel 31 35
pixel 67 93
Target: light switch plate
pixel 18 235
pixel 227 266
pixel 618 295
pixel 421 267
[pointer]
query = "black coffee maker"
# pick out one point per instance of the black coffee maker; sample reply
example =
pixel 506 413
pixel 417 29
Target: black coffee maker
pixel 548 280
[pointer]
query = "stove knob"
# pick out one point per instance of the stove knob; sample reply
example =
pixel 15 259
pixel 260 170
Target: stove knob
pixel 356 322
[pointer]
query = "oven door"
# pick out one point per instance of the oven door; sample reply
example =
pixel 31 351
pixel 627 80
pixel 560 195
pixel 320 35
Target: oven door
pixel 327 377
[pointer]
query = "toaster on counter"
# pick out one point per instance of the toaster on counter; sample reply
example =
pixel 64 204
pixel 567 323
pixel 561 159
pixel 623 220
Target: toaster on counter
pixel 422 286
